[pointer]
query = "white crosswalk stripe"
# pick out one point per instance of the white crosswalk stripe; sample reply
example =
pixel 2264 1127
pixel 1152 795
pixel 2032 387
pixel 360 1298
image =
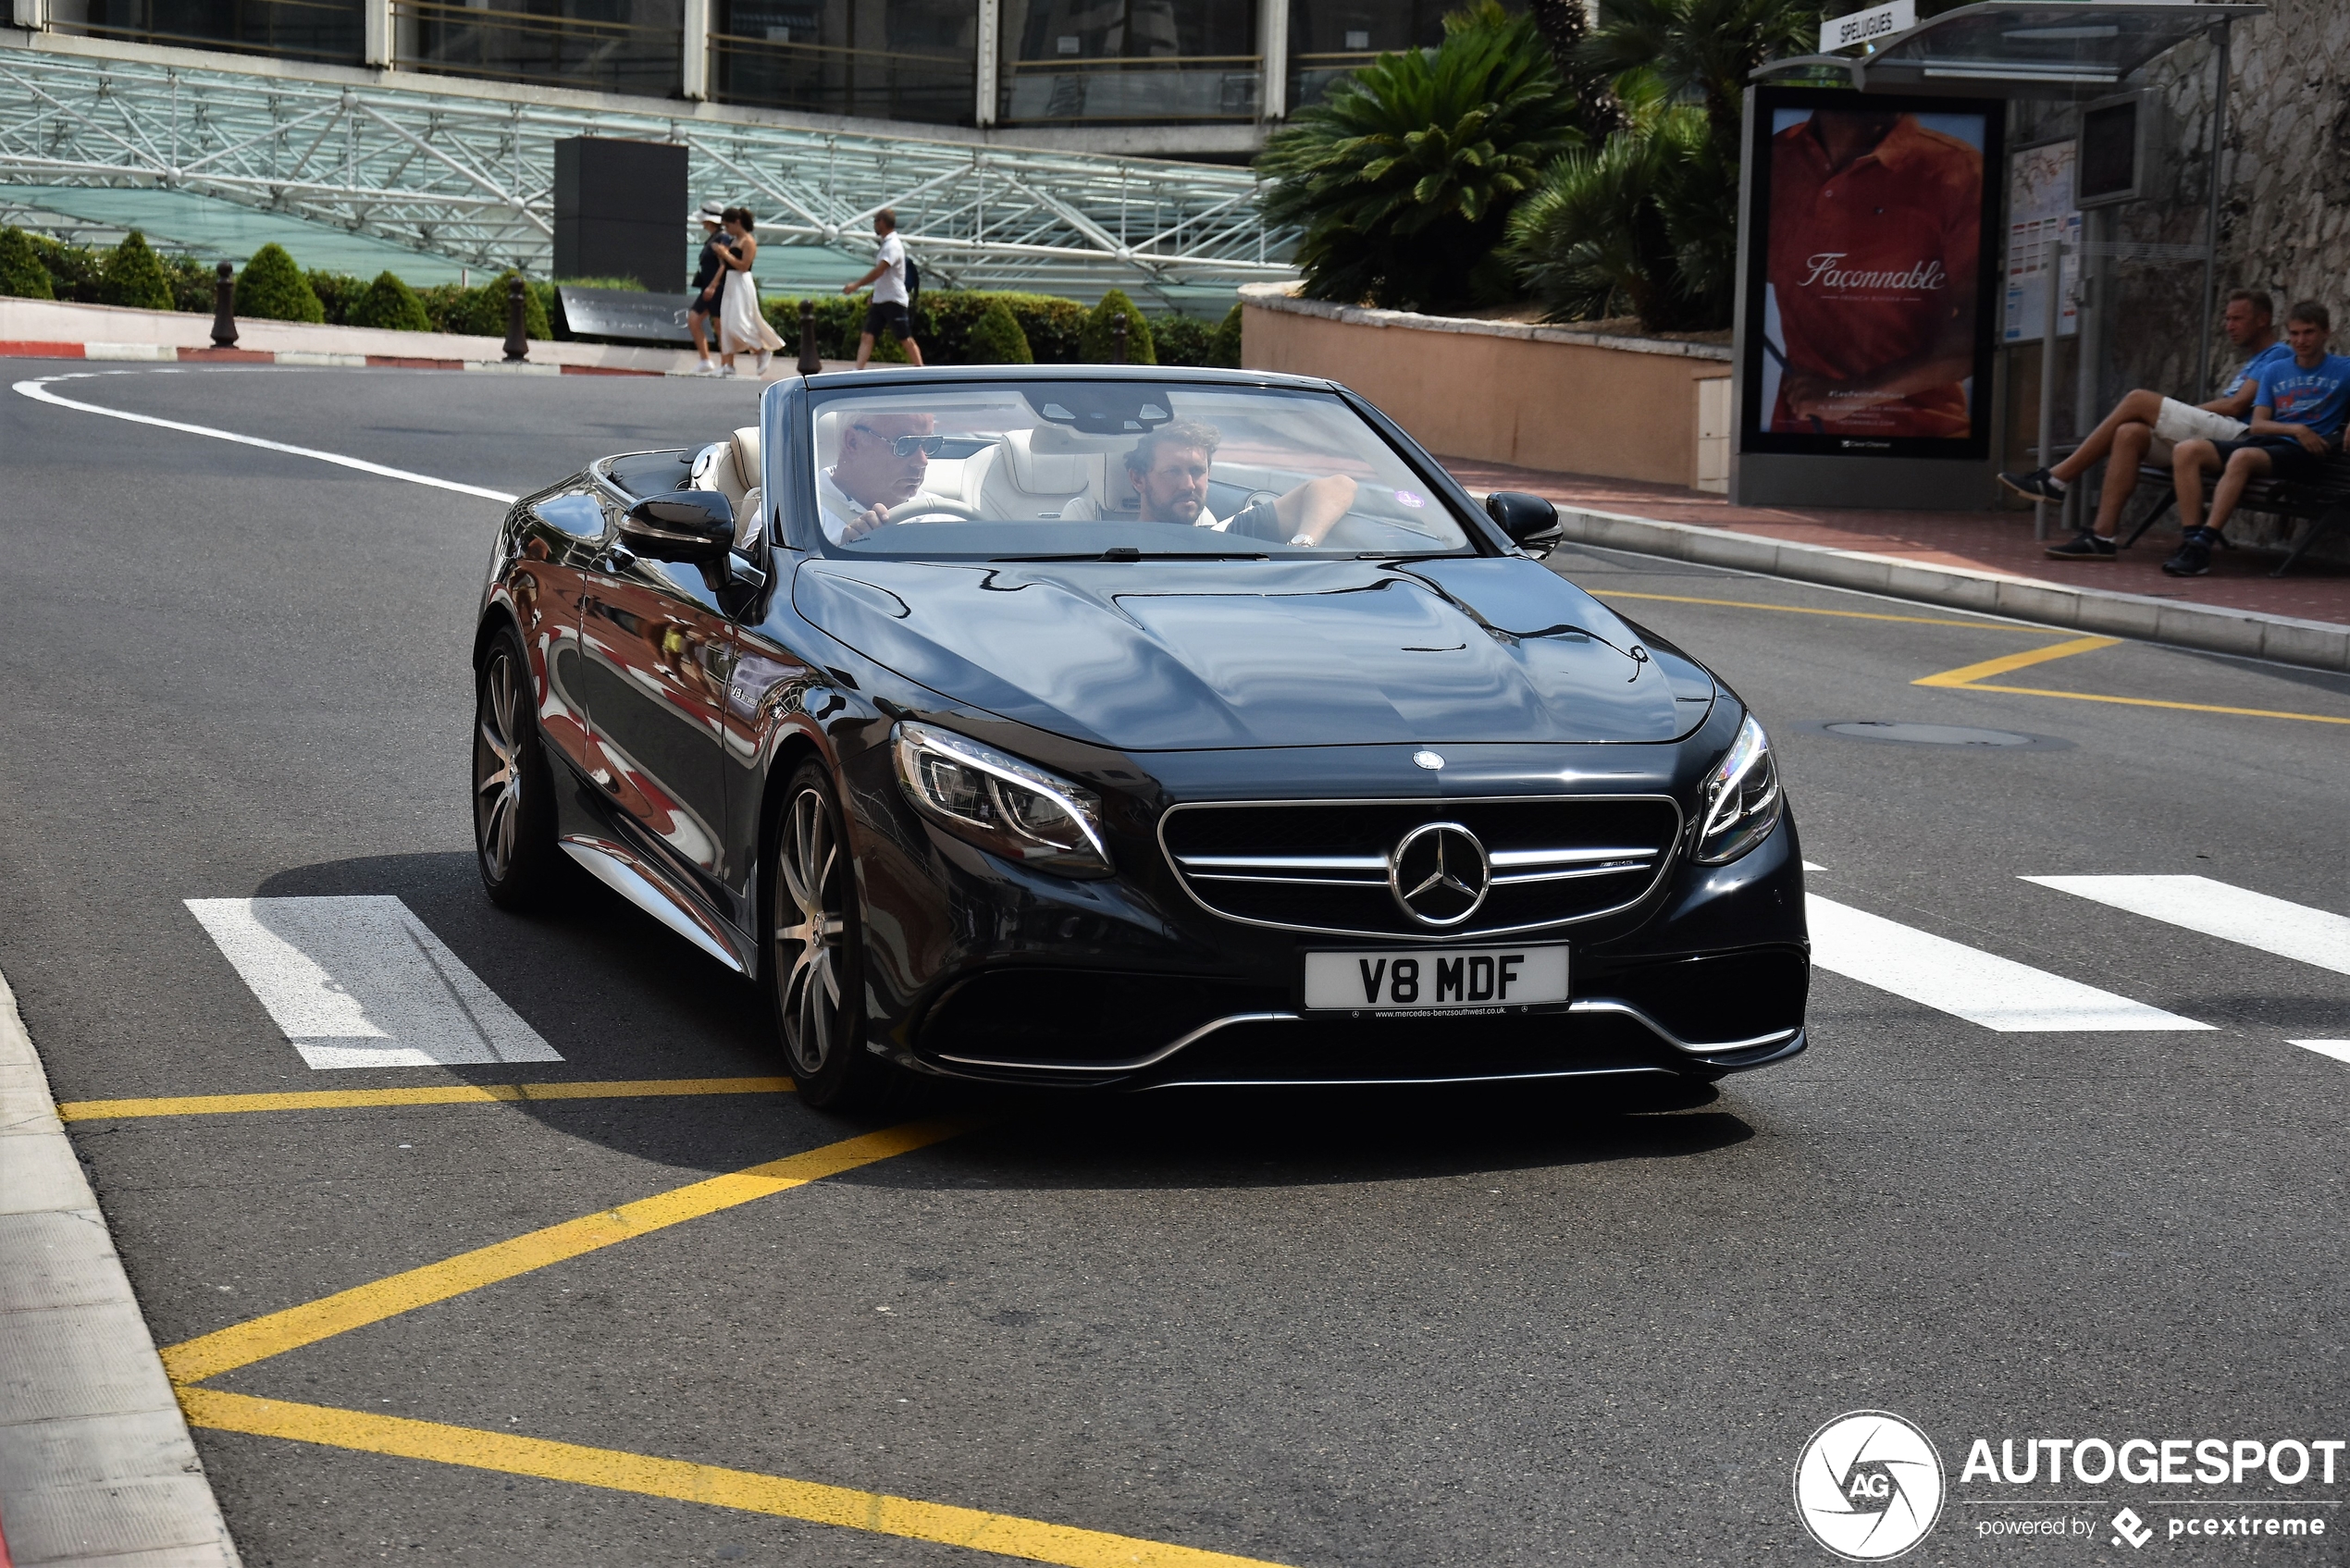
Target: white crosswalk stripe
pixel 362 983
pixel 1981 987
pixel 2338 1049
pixel 2232 914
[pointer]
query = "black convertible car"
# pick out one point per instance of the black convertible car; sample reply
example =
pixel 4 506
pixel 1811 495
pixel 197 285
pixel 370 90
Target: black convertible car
pixel 1135 727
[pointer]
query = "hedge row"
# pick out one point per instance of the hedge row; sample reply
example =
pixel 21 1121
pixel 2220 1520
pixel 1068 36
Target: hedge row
pixel 954 326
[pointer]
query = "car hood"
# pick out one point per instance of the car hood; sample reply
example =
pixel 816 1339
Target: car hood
pixel 1176 656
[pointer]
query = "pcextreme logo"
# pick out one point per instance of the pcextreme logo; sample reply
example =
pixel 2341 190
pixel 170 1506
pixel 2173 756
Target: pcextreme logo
pixel 1868 1485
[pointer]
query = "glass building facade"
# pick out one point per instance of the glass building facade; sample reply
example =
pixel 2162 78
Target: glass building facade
pixel 333 31
pixel 892 59
pixel 1328 38
pixel 604 45
pixel 1129 60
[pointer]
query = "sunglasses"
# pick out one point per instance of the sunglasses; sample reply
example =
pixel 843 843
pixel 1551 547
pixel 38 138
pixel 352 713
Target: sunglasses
pixel 905 446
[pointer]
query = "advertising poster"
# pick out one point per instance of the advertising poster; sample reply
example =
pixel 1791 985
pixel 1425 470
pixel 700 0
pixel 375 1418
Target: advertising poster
pixel 2040 214
pixel 1870 274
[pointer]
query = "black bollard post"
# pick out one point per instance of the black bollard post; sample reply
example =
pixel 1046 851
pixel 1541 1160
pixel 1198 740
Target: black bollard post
pixel 518 318
pixel 224 306
pixel 810 361
pixel 1118 340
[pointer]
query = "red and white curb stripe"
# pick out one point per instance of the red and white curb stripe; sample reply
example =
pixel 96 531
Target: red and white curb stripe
pixel 164 353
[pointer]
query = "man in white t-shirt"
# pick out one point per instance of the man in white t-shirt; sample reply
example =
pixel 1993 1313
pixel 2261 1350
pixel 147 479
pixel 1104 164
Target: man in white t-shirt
pixel 888 312
pixel 1169 469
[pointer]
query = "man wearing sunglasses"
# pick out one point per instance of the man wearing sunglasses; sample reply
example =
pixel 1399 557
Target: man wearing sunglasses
pixel 883 460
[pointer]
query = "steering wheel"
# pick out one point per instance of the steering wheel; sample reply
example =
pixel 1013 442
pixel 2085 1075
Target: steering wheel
pixel 931 506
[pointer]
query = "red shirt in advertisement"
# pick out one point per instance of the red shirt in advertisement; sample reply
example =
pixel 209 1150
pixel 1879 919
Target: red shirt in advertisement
pixel 1873 265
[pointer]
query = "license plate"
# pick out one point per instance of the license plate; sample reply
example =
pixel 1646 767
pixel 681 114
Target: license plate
pixel 1436 980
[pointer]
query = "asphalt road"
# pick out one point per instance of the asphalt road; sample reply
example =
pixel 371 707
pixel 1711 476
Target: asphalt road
pixel 1411 1328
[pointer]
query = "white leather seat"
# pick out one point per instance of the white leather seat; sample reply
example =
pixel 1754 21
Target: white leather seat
pixel 731 467
pixel 1038 472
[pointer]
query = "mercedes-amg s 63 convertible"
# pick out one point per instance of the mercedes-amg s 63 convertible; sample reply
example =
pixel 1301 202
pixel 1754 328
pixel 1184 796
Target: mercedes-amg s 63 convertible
pixel 1130 727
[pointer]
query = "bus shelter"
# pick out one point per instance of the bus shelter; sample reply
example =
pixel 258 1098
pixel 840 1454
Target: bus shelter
pixel 1920 216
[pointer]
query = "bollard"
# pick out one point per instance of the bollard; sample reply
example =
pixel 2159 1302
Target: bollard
pixel 810 361
pixel 224 307
pixel 1118 340
pixel 517 314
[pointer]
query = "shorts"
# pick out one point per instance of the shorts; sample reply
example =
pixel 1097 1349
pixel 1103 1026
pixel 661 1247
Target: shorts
pixel 2184 422
pixel 889 315
pixel 706 307
pixel 2288 459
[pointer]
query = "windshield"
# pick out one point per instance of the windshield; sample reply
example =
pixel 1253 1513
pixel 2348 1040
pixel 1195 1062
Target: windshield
pixel 1115 469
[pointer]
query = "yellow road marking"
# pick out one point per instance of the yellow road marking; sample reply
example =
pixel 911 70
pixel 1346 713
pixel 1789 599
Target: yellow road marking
pixel 1969 674
pixel 510 1453
pixel 2157 702
pixel 440 1094
pixel 259 1338
pixel 1806 610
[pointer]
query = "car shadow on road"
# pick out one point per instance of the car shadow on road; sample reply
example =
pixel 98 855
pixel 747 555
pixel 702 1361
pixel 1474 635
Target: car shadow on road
pixel 621 999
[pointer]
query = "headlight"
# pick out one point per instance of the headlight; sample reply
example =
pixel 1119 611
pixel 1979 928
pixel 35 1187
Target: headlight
pixel 1741 798
pixel 1005 805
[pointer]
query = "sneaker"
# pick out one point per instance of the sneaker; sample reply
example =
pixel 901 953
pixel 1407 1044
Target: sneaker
pixel 2085 546
pixel 705 368
pixel 2038 485
pixel 2194 559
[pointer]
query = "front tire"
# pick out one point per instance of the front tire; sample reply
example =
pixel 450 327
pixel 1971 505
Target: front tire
pixel 514 796
pixel 815 965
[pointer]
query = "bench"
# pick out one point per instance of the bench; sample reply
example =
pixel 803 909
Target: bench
pixel 2324 503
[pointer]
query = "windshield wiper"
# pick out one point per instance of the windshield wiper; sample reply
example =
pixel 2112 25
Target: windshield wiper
pixel 1121 552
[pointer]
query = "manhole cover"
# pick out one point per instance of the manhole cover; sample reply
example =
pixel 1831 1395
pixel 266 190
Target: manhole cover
pixel 1933 735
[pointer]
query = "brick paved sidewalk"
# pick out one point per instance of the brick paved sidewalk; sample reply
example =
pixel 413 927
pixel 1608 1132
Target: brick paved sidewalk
pixel 1985 541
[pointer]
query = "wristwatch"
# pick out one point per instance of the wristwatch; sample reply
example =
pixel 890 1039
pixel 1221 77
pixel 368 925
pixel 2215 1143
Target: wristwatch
pixel 1308 540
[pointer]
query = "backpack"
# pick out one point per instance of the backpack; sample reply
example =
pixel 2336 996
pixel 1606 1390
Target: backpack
pixel 913 287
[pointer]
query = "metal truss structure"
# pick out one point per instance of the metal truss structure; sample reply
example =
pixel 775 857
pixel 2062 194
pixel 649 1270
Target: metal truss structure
pixel 471 178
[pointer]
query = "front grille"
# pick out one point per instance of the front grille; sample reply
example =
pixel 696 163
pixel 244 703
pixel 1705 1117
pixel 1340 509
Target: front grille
pixel 1322 865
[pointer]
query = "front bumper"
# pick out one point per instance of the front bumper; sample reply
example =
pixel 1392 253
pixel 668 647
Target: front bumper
pixel 993 973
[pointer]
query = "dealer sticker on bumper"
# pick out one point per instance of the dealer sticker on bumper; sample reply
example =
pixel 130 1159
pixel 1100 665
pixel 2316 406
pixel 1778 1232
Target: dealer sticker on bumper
pixel 1436 980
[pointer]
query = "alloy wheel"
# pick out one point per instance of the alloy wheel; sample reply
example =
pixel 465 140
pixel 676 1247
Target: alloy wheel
pixel 497 771
pixel 811 891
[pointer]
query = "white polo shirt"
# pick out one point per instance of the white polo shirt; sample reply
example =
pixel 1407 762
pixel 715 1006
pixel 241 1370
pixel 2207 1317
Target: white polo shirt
pixel 889 288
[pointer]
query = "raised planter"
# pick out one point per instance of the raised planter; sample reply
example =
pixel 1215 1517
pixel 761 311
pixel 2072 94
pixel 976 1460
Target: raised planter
pixel 1505 392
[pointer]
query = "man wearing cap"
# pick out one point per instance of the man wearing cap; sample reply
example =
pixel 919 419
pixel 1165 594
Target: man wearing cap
pixel 708 276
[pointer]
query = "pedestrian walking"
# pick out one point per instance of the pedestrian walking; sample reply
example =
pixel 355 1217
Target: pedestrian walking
pixel 892 306
pixel 709 272
pixel 741 326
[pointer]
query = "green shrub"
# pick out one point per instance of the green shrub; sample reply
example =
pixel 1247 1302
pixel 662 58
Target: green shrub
pixel 1228 340
pixel 76 273
pixel 482 312
pixel 389 302
pixel 21 273
pixel 1183 340
pixel 1099 346
pixel 134 278
pixel 995 339
pixel 272 289
pixel 943 324
pixel 1404 177
pixel 193 281
pixel 338 294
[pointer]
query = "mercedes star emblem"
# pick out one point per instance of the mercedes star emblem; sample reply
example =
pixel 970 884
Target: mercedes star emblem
pixel 1438 874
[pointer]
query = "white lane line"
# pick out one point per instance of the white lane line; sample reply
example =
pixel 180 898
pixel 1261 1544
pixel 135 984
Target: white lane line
pixel 1980 987
pixel 39 390
pixel 362 983
pixel 2338 1049
pixel 2232 914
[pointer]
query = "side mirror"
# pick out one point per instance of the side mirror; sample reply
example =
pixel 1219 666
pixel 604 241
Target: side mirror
pixel 1521 516
pixel 691 525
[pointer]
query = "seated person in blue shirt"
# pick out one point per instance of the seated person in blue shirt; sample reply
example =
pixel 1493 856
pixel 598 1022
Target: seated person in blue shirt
pixel 2297 417
pixel 1170 467
pixel 2146 426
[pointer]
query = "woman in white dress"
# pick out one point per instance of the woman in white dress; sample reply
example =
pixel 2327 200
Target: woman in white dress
pixel 741 328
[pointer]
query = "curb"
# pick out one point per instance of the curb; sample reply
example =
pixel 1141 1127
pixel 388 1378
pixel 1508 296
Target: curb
pixel 2315 645
pixel 164 353
pixel 96 1465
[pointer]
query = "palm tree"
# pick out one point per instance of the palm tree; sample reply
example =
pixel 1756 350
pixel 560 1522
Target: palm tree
pixel 1402 179
pixel 1702 49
